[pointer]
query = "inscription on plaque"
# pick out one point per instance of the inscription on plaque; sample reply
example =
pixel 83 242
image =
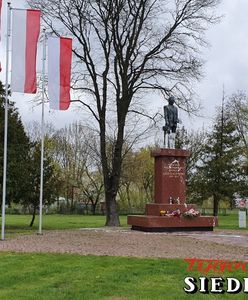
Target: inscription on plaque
pixel 173 169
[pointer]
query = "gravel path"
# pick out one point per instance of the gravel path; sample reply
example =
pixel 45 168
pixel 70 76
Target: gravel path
pixel 231 245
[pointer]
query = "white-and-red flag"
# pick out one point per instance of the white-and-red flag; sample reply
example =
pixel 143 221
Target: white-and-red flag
pixel 25 34
pixel 0 26
pixel 59 72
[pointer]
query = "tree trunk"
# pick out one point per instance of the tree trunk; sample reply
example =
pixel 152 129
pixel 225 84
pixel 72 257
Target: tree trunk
pixel 111 184
pixel 67 198
pixel 33 217
pixel 93 206
pixel 86 208
pixel 72 200
pixel 128 198
pixel 58 205
pixel 216 205
pixel 112 177
pixel 112 216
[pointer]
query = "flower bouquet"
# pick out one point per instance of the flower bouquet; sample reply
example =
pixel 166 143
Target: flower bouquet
pixel 192 213
pixel 163 213
pixel 176 213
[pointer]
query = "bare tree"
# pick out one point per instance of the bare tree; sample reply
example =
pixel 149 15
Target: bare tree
pixel 92 188
pixel 33 129
pixel 125 49
pixel 71 152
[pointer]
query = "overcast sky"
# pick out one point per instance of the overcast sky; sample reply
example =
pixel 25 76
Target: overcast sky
pixel 226 64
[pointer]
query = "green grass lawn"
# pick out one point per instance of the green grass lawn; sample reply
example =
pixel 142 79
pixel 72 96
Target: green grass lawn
pixel 230 221
pixel 62 276
pixel 20 223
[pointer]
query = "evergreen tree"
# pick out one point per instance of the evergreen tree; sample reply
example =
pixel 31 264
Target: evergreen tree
pixel 238 107
pixel 194 142
pixel 18 151
pixel 32 181
pixel 23 163
pixel 219 173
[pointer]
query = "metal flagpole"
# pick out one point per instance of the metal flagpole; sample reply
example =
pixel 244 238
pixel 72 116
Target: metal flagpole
pixel 42 131
pixel 6 123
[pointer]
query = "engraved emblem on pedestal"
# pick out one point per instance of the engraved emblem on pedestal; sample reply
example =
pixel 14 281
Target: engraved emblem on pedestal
pixel 173 169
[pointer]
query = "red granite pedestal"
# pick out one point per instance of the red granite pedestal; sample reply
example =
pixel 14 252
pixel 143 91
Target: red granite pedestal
pixel 169 195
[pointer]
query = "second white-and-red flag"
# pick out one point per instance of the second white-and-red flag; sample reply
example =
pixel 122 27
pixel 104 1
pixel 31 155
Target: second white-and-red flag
pixel 59 72
pixel 25 34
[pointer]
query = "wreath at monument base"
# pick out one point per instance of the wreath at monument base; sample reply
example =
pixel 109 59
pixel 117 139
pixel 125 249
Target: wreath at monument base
pixel 192 213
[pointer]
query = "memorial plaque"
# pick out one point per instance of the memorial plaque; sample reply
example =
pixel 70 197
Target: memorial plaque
pixel 242 219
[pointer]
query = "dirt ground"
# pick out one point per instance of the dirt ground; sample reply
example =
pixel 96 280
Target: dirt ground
pixel 229 245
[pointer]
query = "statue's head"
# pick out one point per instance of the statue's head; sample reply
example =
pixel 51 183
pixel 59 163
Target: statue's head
pixel 171 100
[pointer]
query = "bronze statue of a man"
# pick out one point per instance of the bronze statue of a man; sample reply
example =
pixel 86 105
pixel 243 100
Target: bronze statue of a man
pixel 171 120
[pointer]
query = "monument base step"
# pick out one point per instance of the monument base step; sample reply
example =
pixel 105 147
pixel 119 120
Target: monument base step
pixel 164 223
pixel 170 229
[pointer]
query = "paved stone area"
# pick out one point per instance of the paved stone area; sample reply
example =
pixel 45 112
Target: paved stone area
pixel 230 245
pixel 234 238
